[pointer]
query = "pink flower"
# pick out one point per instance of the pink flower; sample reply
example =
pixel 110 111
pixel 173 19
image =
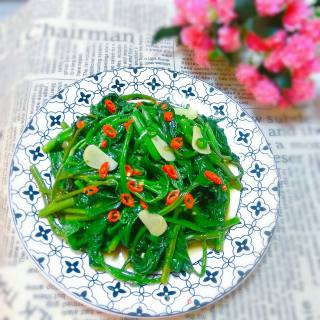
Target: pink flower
pixel 269 7
pixel 201 57
pixel 256 43
pixel 229 39
pixel 225 10
pixel 247 75
pixel 296 13
pixel 311 28
pixel 195 38
pixel 277 40
pixel 193 11
pixel 302 90
pixel 307 69
pixel 274 62
pixel 298 51
pixel 266 92
pixel 180 19
pixel 283 103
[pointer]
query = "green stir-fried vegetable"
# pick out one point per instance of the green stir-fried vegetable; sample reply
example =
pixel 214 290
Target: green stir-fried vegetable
pixel 142 175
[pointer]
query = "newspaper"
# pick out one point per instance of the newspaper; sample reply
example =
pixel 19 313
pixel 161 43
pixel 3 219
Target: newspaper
pixel 50 44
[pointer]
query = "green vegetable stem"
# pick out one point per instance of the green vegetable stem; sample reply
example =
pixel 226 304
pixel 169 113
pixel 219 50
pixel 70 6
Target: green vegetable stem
pixel 130 176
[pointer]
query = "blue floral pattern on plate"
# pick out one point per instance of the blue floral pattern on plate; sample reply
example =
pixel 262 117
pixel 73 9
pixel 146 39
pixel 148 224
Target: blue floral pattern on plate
pixel 245 244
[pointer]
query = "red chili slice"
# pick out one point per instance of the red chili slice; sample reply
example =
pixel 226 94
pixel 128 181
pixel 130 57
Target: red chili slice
pixel 168 116
pixel 104 144
pixel 188 200
pixel 136 173
pixel 127 199
pixel 90 190
pixel 170 171
pixel 110 106
pixel 143 205
pixel 128 124
pixel 80 124
pixel 164 106
pixel 213 177
pixel 176 143
pixel 103 171
pixel 109 131
pixel 133 186
pixel 129 170
pixel 172 196
pixel 224 187
pixel 114 215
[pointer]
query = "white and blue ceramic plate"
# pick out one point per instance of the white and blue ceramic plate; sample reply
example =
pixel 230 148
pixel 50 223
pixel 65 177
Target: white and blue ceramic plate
pixel 68 270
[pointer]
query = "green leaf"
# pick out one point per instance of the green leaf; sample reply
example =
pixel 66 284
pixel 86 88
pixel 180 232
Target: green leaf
pixel 283 79
pixel 264 26
pixel 213 31
pixel 180 260
pixel 215 54
pixel 245 9
pixel 166 32
pixel 232 57
pixel 96 259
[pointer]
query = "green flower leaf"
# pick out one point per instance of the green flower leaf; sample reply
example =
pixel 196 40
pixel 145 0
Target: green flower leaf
pixel 264 26
pixel 215 54
pixel 232 57
pixel 245 9
pixel 283 79
pixel 166 32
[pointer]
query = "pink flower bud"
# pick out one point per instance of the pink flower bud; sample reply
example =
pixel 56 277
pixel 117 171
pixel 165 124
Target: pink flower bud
pixel 247 75
pixel 195 38
pixel 311 29
pixel 229 39
pixel 298 51
pixel 256 43
pixel 302 90
pixel 274 62
pixel 277 40
pixel 266 92
pixel 201 57
pixel 225 10
pixel 269 7
pixel 296 13
pixel 193 11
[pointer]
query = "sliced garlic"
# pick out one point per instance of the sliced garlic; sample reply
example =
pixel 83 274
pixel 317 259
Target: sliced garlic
pixel 188 112
pixel 155 223
pixel 95 157
pixel 196 134
pixel 165 152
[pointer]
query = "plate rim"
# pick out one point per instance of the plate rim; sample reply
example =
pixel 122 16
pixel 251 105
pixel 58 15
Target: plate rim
pixel 121 314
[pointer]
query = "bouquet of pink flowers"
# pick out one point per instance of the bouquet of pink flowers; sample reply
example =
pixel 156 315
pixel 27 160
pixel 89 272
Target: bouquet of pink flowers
pixel 272 43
